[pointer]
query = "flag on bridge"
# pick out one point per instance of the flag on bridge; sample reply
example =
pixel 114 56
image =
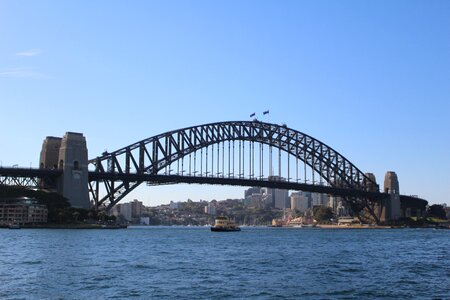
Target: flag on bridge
pixel 252 115
pixel 266 112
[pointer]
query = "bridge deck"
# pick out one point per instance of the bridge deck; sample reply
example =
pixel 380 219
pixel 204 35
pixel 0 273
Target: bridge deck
pixel 170 179
pixel 167 179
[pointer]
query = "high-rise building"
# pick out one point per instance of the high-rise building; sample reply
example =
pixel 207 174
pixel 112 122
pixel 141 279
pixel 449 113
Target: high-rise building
pixel 254 197
pixel 319 199
pixel 126 210
pixel 280 198
pixel 252 190
pixel 296 198
pixel 137 208
pixel 210 209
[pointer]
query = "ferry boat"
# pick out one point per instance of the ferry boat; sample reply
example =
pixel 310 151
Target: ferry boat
pixel 224 224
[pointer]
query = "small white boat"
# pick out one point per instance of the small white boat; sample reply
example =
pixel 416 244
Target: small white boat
pixel 14 226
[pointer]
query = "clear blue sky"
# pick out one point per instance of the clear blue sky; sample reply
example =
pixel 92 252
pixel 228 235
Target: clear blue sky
pixel 369 78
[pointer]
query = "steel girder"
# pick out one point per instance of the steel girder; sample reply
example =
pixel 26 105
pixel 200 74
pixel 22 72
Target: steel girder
pixel 152 155
pixel 24 177
pixel 19 181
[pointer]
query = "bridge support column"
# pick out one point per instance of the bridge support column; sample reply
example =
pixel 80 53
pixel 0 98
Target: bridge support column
pixel 49 159
pixel 70 155
pixel 391 210
pixel 73 160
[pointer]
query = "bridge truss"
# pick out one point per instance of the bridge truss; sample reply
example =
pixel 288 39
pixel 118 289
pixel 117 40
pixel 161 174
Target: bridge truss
pixel 249 153
pixel 28 177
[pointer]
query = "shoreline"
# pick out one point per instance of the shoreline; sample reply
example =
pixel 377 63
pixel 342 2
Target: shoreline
pixel 324 226
pixel 69 226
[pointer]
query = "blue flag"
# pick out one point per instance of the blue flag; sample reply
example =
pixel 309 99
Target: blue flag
pixel 266 112
pixel 252 115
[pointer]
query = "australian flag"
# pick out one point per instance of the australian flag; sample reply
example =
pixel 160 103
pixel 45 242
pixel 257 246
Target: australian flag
pixel 252 115
pixel 266 112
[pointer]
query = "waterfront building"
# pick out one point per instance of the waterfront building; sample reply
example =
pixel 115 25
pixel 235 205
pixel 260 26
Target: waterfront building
pixel 22 210
pixel 137 208
pixel 126 211
pixel 144 221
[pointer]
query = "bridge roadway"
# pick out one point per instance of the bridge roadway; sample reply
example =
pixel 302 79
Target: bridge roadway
pixel 170 179
pixel 286 185
pixel 27 177
pixel 31 174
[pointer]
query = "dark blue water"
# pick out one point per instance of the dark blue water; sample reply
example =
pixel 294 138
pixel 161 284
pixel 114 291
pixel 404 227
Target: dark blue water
pixel 194 263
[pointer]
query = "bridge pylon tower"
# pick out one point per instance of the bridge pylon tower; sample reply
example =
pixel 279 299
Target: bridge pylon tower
pixel 391 209
pixel 70 155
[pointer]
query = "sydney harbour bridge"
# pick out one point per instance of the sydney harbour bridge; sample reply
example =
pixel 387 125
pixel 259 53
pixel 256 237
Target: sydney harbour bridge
pixel 239 153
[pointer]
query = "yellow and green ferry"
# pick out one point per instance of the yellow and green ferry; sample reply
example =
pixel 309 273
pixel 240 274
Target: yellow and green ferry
pixel 224 224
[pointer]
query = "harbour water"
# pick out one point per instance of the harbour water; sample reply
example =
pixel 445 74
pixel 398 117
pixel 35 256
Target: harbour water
pixel 195 263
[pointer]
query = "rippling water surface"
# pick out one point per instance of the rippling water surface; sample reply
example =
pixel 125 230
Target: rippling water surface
pixel 195 263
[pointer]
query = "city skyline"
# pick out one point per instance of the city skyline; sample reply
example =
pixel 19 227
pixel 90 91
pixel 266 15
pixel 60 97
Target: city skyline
pixel 371 81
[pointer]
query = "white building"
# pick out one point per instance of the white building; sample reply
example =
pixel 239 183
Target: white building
pixel 145 221
pixel 174 205
pixel 210 209
pixel 126 210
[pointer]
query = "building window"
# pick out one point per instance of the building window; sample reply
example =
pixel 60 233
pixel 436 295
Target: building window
pixel 76 165
pixel 61 164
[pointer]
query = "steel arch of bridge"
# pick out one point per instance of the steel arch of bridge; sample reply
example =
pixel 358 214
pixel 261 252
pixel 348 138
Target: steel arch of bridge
pixel 133 164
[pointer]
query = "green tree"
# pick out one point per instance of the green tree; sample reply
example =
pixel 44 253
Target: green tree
pixel 323 213
pixel 436 211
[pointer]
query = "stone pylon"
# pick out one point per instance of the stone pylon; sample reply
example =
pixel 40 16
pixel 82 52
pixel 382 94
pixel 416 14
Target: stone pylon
pixel 50 153
pixel 70 155
pixel 49 160
pixel 371 186
pixel 391 209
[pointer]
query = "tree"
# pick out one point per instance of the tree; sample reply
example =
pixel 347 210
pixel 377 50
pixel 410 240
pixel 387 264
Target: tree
pixel 323 213
pixel 436 211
